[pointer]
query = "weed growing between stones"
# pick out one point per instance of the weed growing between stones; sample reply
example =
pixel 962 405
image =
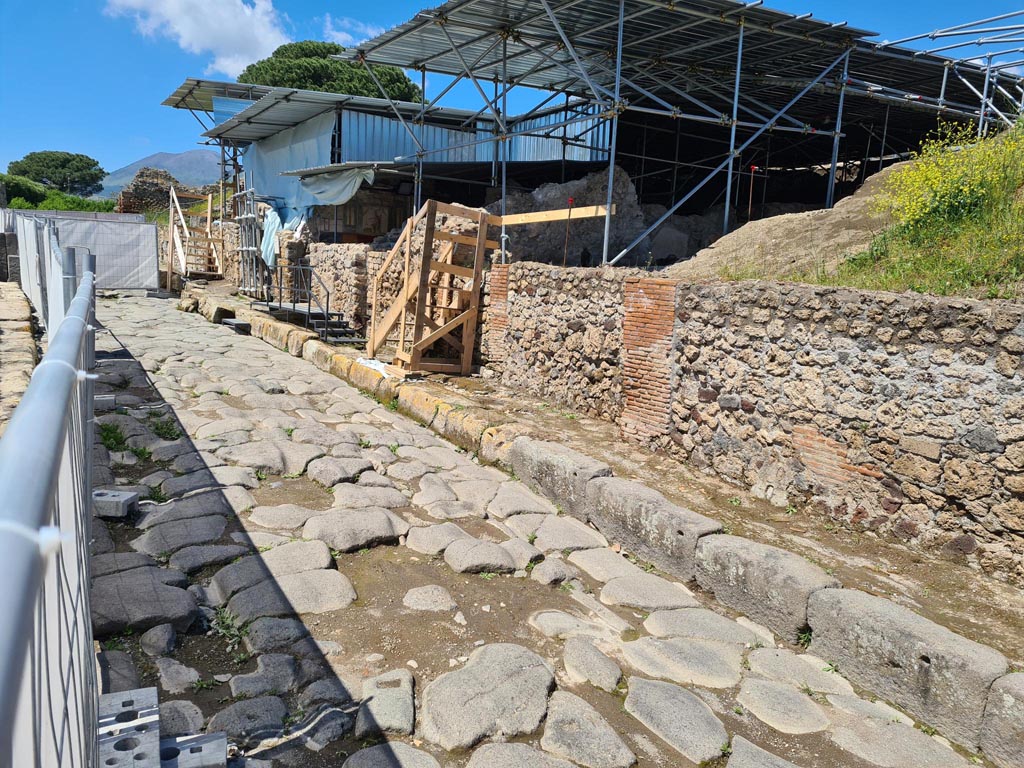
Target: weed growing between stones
pixel 156 496
pixel 803 638
pixel 113 438
pixel 226 626
pixel 204 685
pixel 164 428
pixel 142 454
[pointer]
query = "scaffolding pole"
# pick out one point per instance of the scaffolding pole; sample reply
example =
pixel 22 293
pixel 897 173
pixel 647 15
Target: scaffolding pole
pixel 614 136
pixel 830 194
pixel 732 129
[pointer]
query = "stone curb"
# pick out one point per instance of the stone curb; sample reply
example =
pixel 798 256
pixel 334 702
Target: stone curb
pixel 783 590
pixel 17 349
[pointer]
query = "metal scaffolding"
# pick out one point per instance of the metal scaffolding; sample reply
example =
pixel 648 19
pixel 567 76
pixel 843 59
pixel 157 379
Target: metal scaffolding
pixel 713 64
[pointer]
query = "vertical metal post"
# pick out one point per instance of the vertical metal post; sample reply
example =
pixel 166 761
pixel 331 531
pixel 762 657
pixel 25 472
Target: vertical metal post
pixel 983 112
pixel 830 195
pixel 885 135
pixel 942 90
pixel 614 136
pixel 732 130
pixel 504 143
pixel 418 183
pixel 69 275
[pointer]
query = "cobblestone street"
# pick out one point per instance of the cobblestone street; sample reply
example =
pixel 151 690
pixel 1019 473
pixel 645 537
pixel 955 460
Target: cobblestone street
pixel 332 584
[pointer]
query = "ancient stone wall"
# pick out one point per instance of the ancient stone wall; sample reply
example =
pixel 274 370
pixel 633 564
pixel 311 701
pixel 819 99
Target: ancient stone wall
pixel 562 334
pixel 901 415
pixel 342 267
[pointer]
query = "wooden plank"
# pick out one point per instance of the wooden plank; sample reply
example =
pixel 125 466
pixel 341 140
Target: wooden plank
pixel 469 329
pixel 465 239
pixel 451 269
pixel 453 209
pixel 587 212
pixel 441 332
pixel 421 296
pixel 434 367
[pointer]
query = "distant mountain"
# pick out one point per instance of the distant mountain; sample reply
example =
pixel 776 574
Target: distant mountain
pixel 193 168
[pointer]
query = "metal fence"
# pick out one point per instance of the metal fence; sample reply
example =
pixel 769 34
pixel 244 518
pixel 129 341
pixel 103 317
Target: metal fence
pixel 7 216
pixel 48 691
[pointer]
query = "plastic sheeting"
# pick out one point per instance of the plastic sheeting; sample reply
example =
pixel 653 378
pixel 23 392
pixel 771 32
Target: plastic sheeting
pixel 338 187
pixel 268 246
pixel 224 108
pixel 126 253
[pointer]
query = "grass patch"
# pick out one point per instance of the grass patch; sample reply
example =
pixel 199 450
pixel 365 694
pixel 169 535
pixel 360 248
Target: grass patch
pixel 958 221
pixel 157 496
pixel 165 429
pixel 113 438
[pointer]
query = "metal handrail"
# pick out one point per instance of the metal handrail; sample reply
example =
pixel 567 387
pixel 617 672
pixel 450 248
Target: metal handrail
pixel 48 692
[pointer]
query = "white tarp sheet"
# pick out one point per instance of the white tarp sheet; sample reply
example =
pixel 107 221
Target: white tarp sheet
pixel 126 253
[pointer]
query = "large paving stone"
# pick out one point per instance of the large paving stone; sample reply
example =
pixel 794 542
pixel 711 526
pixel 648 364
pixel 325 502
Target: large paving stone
pixel 648 524
pixel 330 471
pixel 180 718
pixel 700 624
pixel 557 471
pixel 276 673
pixel 768 584
pixel 166 538
pixel 117 562
pixel 554 571
pixel 562 625
pixel 566 534
pixel 747 755
pixel 223 501
pixel 293 557
pixel 210 478
pixel 222 427
pixel 195 558
pixel 434 539
pixel 349 496
pixel 388 705
pixel 250 721
pixel 514 498
pixel 269 634
pixel 687 661
pixel 889 744
pixel 432 597
pixel 678 717
pixel 1002 731
pixel 274 457
pixel 348 530
pixel 394 754
pixel 328 690
pixel 647 592
pixel 523 553
pixel 782 706
pixel 138 599
pixel 585 663
pixel 282 516
pixel 115 672
pixel 175 677
pixel 574 730
pixel 297 593
pixel 801 670
pixel 501 692
pixel 158 641
pixel 603 563
pixel 934 674
pixel 475 556
pixel 513 756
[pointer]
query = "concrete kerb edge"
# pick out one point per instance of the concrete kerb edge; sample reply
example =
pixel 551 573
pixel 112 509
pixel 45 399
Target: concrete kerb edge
pixel 450 420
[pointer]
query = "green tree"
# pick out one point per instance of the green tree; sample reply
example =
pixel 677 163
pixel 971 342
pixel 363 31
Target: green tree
pixel 72 173
pixel 307 66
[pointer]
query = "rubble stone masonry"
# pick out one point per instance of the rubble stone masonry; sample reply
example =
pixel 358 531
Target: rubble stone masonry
pixel 899 414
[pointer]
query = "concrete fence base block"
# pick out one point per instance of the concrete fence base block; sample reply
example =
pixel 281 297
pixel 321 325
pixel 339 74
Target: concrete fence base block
pixel 768 584
pixel 933 673
pixel 558 472
pixel 1002 730
pixel 647 523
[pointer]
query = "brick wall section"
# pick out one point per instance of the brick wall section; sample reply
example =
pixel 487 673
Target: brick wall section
pixel 647 379
pixel 494 318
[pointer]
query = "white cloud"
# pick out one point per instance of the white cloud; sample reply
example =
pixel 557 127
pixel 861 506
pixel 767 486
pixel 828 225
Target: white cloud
pixel 348 32
pixel 234 32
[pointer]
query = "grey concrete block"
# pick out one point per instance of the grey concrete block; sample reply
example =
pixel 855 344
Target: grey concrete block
pixel 114 505
pixel 768 584
pixel 933 673
pixel 202 751
pixel 646 523
pixel 1002 729
pixel 558 472
pixel 128 732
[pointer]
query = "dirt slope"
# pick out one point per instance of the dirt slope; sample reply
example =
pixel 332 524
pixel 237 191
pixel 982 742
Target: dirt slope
pixel 794 243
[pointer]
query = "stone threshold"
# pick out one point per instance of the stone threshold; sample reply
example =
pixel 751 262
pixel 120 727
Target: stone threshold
pixel 963 688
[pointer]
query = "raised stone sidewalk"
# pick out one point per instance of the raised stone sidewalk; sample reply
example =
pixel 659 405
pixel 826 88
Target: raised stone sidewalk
pixel 416 596
pixel 17 349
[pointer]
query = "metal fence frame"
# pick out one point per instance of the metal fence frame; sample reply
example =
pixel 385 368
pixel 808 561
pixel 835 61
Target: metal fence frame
pixel 48 690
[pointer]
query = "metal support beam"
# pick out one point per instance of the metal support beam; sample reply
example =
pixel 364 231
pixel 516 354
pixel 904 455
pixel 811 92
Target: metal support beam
pixel 615 134
pixel 732 128
pixel 830 194
pixel 394 107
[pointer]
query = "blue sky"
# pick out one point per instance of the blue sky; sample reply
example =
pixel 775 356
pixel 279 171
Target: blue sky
pixel 89 75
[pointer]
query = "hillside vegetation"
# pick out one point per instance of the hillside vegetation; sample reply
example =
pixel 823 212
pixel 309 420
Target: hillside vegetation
pixel 957 221
pixel 25 194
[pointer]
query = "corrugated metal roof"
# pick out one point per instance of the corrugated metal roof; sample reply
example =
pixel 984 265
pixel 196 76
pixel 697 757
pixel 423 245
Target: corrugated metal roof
pixel 195 93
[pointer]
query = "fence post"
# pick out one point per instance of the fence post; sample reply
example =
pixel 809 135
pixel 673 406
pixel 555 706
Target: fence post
pixel 69 273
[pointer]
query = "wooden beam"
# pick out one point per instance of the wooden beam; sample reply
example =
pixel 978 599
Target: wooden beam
pixel 451 269
pixel 537 217
pixel 465 240
pixel 441 332
pixel 453 209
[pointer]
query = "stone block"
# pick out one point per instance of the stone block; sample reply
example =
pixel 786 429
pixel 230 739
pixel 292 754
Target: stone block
pixel 114 505
pixel 558 472
pixel 648 524
pixel 768 584
pixel 933 673
pixel 201 751
pixel 364 378
pixel 418 403
pixel 1002 729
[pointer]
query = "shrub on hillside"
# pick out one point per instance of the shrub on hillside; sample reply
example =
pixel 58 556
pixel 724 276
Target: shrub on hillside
pixel 18 187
